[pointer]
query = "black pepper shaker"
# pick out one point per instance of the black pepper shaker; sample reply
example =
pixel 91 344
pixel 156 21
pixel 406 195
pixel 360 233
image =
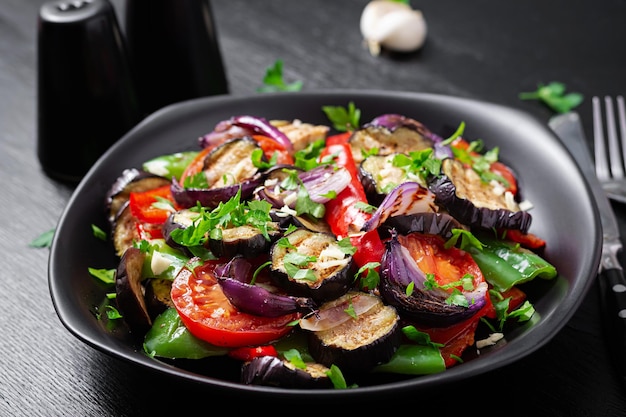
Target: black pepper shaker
pixel 86 96
pixel 174 48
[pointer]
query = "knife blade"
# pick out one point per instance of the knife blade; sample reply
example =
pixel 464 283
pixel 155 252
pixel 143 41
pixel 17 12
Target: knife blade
pixel 568 127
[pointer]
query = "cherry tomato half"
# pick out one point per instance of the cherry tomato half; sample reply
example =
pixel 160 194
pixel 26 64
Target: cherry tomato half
pixel 206 312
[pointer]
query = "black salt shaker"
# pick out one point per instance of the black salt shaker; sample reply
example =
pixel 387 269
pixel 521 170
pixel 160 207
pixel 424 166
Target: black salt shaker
pixel 86 94
pixel 175 51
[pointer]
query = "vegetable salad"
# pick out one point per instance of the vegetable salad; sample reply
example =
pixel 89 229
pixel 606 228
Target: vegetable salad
pixel 317 256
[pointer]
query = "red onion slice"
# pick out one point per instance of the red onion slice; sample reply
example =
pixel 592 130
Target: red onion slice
pixel 254 299
pixel 333 313
pixel 406 198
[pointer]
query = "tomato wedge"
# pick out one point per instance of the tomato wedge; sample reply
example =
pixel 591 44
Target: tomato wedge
pixel 206 312
pixel 456 338
pixel 448 266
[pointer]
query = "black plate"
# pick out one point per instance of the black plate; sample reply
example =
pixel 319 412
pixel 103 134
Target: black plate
pixel 548 176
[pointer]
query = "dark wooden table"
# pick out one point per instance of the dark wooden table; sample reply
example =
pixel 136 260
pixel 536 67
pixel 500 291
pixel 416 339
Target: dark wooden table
pixel 483 49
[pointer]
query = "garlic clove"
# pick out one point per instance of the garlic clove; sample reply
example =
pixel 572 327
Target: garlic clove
pixel 392 25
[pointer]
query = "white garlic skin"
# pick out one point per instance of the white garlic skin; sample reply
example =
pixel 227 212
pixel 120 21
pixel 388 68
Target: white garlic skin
pixel 392 25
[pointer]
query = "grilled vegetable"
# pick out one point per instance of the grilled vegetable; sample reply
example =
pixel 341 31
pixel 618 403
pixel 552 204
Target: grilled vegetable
pixel 227 169
pixel 360 343
pixel 125 230
pixel 237 125
pixel 474 202
pixel 282 184
pixel 426 282
pixel 157 296
pixel 180 219
pixel 406 198
pixel 506 264
pixel 131 180
pixel 245 239
pixel 343 213
pixel 391 133
pixel 130 292
pixel 430 223
pixel 169 338
pixel 208 314
pixel 258 300
pixel 311 264
pixel 301 134
pixel 272 371
pixel 378 176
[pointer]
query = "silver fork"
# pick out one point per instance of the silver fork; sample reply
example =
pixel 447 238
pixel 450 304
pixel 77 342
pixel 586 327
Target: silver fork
pixel 609 149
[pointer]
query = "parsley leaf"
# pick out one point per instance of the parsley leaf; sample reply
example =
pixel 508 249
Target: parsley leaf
pixel 44 240
pixel 98 232
pixel 273 80
pixel 344 119
pixel 553 95
pixel 105 275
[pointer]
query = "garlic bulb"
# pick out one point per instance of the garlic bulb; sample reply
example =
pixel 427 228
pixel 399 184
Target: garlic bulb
pixel 392 25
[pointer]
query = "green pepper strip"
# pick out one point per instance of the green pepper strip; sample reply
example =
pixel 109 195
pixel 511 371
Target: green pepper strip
pixel 414 360
pixel 170 166
pixel 506 264
pixel 169 338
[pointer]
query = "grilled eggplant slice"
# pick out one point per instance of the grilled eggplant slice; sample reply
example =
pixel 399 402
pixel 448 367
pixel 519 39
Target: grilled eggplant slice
pixel 389 134
pixel 130 291
pixel 247 240
pixel 361 342
pixel 124 230
pixel 227 169
pixel 272 371
pixel 440 224
pixel 474 202
pixel 379 176
pixel 180 219
pixel 301 134
pixel 427 306
pixel 131 180
pixel 157 296
pixel 312 265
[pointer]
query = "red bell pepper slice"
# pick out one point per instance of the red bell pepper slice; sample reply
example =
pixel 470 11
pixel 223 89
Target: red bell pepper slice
pixel 142 205
pixel 341 214
pixel 247 353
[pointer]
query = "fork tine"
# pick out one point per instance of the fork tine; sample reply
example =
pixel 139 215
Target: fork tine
pixel 621 111
pixel 599 147
pixel 617 171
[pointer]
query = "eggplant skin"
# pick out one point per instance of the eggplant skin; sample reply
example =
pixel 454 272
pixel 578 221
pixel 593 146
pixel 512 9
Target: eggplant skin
pixel 272 371
pixel 130 292
pixel 361 343
pixel 131 180
pixel 440 224
pixel 469 207
pixel 158 296
pixel 400 140
pixel 332 281
pixel 228 169
pixel 124 233
pixel 243 240
pixel 426 307
pixel 374 181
